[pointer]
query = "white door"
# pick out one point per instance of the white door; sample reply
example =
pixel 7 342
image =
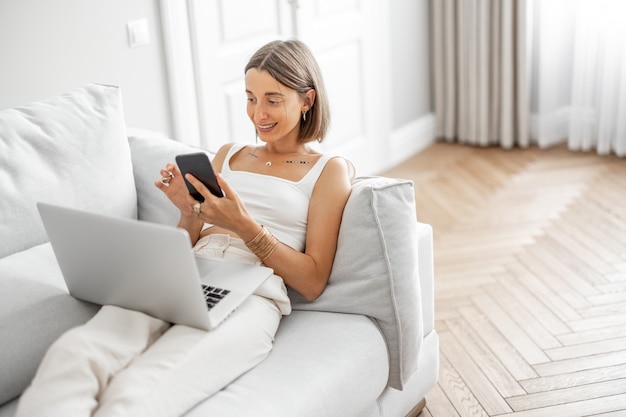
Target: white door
pixel 347 38
pixel 225 33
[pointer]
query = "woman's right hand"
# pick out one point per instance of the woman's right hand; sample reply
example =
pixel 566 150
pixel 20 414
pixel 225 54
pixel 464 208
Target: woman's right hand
pixel 175 189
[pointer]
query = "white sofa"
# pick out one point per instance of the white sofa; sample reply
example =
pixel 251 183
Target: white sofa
pixel 366 347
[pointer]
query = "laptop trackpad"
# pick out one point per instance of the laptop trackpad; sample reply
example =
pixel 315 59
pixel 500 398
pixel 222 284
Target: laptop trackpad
pixel 207 265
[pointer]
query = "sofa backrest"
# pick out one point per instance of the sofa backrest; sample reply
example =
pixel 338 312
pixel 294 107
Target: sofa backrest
pixel 70 150
pixel 150 151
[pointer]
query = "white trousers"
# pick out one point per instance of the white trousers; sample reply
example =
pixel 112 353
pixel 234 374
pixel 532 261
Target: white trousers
pixel 125 363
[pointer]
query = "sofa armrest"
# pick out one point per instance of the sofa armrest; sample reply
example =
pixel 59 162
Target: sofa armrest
pixel 426 275
pixel 377 269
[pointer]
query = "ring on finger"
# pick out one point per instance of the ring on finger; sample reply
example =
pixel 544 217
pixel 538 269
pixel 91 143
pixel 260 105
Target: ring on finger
pixel 166 180
pixel 196 208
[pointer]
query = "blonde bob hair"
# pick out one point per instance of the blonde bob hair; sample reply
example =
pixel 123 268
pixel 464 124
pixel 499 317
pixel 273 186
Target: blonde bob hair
pixel 292 64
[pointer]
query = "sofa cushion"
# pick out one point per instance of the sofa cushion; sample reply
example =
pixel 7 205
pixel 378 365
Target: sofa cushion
pixel 70 150
pixel 342 350
pixel 150 152
pixel 35 309
pixel 375 272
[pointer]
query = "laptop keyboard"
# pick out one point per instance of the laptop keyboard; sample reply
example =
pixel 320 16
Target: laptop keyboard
pixel 213 295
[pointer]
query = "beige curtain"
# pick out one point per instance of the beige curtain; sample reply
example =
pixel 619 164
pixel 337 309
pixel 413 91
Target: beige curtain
pixel 480 71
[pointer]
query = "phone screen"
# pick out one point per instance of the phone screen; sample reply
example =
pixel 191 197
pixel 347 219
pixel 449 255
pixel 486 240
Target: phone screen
pixel 199 165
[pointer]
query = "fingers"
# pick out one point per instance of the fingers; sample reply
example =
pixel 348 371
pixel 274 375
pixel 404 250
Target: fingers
pixel 199 186
pixel 168 174
pixel 167 177
pixel 169 167
pixel 224 185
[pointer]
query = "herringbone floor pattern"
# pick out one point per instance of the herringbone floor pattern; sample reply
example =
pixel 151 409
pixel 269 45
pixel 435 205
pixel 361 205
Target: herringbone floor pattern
pixel 530 277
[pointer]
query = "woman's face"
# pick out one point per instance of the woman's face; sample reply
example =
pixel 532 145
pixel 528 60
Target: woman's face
pixel 274 108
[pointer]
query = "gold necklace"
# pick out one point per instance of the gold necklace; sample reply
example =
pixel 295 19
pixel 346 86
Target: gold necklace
pixel 287 161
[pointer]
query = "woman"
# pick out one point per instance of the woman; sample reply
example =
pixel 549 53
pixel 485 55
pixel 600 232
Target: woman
pixel 282 207
pixel 288 107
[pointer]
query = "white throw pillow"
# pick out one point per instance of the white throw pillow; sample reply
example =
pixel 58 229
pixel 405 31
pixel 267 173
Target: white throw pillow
pixel 70 150
pixel 375 272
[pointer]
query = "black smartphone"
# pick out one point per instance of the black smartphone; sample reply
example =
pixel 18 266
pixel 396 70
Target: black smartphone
pixel 199 165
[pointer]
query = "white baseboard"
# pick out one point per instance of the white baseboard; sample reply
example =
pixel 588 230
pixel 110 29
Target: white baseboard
pixel 550 128
pixel 410 139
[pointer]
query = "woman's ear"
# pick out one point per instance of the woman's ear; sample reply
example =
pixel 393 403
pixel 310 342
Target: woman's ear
pixel 309 99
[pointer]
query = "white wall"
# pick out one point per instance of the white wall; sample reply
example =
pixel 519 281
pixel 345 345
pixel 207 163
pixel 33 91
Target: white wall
pixel 410 61
pixel 413 119
pixel 51 47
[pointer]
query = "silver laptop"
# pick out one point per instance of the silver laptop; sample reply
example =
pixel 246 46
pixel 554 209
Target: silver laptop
pixel 145 267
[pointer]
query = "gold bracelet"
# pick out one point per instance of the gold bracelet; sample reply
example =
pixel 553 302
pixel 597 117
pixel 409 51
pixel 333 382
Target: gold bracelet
pixel 263 244
pixel 257 237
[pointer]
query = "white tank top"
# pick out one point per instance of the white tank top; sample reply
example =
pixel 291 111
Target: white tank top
pixel 279 204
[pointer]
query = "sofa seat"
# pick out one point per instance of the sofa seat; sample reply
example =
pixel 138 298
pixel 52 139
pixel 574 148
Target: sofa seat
pixel 35 308
pixel 336 360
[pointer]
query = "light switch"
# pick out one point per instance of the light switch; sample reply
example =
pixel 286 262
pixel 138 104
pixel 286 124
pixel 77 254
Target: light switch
pixel 138 34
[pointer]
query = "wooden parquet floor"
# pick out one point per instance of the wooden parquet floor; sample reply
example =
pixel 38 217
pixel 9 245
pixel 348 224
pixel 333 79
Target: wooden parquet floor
pixel 530 279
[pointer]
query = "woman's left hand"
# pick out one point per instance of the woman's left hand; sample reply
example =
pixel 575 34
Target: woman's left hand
pixel 227 212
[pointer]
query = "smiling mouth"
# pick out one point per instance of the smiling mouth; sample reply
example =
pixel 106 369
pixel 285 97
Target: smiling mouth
pixel 266 127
